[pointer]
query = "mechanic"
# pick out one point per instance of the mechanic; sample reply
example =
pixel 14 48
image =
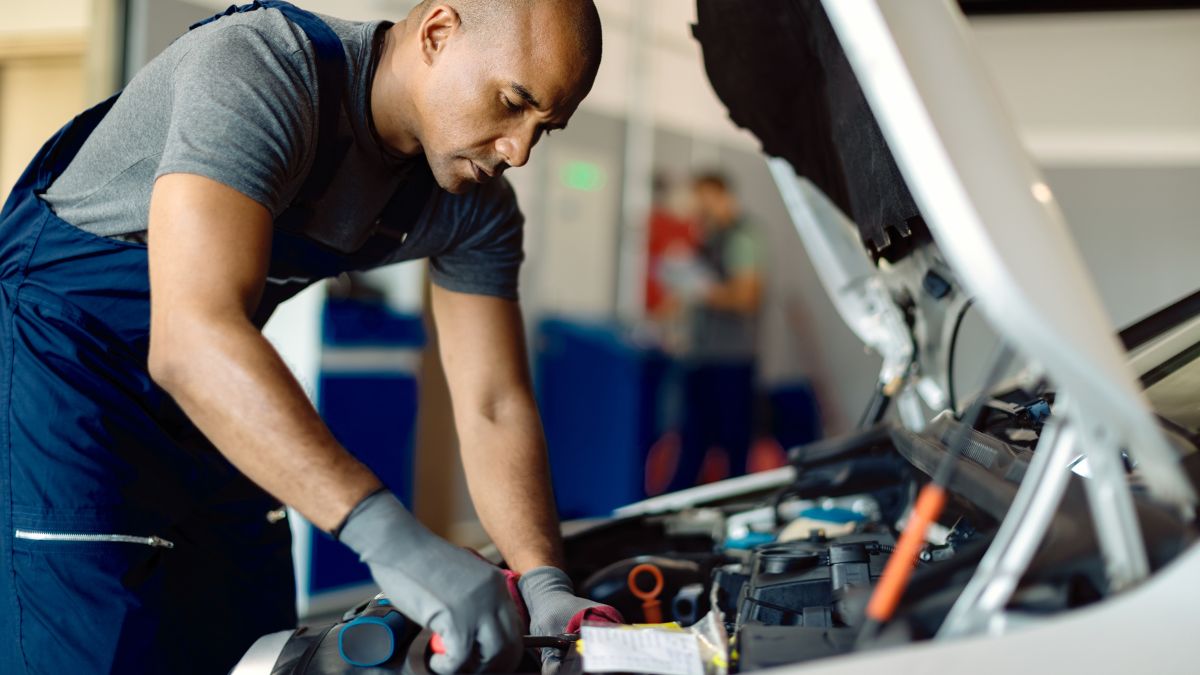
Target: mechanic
pixel 722 329
pixel 150 428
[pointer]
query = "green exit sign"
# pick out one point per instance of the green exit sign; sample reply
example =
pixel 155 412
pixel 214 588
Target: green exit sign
pixel 584 176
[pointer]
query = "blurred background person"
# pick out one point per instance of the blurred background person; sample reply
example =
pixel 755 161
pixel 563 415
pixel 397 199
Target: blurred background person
pixel 719 290
pixel 669 233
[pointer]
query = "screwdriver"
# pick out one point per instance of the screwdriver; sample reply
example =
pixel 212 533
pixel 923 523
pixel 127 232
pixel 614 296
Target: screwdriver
pixel 563 641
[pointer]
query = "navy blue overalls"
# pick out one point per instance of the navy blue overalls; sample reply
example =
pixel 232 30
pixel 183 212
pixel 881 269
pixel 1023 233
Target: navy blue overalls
pixel 128 544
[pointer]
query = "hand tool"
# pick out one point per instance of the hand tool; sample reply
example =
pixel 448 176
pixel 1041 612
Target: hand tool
pixel 375 635
pixel 561 641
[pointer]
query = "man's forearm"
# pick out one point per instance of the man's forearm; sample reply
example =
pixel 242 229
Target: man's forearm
pixel 741 294
pixel 230 381
pixel 504 457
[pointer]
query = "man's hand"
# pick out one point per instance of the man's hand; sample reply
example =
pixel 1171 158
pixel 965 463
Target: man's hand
pixel 554 609
pixel 440 586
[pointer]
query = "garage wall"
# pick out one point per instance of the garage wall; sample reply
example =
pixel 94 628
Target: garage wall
pixel 41 77
pixel 1109 105
pixel 41 87
pixel 1139 230
pixel 1100 89
pixel 52 64
pixel 21 18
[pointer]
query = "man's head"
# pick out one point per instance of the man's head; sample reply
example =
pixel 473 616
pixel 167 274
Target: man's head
pixel 715 200
pixel 473 84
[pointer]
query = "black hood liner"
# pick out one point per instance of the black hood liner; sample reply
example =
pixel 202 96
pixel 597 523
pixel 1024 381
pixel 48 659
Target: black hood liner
pixel 972 7
pixel 779 69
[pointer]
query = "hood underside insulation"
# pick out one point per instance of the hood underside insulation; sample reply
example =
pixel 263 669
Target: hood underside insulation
pixel 779 69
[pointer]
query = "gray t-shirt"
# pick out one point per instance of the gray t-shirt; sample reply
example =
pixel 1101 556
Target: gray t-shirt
pixel 236 101
pixel 718 335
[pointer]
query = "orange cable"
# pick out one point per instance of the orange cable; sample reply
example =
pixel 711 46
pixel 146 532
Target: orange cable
pixel 900 565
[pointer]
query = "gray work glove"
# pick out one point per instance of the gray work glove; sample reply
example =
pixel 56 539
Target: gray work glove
pixel 445 588
pixel 554 609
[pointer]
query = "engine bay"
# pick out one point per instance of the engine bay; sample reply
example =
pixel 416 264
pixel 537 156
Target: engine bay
pixel 791 570
pixel 786 563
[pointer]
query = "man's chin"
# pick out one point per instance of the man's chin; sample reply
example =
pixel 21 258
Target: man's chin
pixel 453 183
pixel 459 188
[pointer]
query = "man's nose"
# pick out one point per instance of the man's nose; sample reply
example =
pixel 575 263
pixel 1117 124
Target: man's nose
pixel 514 147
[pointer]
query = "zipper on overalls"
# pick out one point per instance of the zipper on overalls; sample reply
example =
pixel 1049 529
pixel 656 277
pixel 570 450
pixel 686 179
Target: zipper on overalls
pixel 156 542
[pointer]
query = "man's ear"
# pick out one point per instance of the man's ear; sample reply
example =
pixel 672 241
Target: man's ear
pixel 440 23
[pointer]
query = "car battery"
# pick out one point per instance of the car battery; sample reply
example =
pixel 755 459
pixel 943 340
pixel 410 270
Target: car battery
pixel 803 583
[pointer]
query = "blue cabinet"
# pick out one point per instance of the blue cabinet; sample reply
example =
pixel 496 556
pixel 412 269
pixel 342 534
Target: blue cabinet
pixel 624 421
pixel 367 394
pixel 597 393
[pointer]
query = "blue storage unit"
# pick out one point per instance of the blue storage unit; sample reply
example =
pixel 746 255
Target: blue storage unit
pixel 615 411
pixel 598 396
pixel 367 394
pixel 795 414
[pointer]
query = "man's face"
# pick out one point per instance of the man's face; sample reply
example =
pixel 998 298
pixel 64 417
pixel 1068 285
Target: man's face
pixel 712 204
pixel 488 99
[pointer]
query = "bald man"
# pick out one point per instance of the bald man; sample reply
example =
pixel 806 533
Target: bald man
pixel 150 428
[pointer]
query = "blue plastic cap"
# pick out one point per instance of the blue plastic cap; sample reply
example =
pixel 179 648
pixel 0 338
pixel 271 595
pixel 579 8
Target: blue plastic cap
pixel 366 642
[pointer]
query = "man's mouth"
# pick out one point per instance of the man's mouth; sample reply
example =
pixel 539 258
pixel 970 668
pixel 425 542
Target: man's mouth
pixel 481 174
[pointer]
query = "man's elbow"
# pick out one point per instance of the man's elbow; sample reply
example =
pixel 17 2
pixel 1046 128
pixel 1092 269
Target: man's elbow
pixel 165 362
pixel 176 348
pixel 487 414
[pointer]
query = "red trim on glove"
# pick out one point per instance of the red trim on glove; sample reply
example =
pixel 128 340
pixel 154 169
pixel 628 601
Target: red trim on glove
pixel 510 579
pixel 596 614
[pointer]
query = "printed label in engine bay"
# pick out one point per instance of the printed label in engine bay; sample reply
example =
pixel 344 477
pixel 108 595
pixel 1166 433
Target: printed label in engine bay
pixel 640 650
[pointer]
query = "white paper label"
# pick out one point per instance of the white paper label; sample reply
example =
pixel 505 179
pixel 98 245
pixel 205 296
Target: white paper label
pixel 625 650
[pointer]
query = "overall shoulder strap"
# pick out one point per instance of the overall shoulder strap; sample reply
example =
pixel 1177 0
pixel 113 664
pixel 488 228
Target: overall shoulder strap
pixel 331 66
pixel 58 152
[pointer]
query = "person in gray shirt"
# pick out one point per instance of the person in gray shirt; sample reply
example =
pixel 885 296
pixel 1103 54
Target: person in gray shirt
pixel 721 302
pixel 150 426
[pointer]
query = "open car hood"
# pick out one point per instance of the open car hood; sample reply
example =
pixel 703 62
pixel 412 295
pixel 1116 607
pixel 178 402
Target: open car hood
pixel 887 111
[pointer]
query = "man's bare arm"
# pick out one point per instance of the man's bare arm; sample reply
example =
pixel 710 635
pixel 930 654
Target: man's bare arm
pixel 209 251
pixel 504 452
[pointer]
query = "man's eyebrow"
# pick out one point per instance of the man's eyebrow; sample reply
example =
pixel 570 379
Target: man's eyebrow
pixel 524 93
pixel 529 98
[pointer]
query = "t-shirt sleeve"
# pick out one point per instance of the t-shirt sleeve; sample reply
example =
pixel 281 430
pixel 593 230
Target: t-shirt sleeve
pixel 242 113
pixel 742 254
pixel 488 259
